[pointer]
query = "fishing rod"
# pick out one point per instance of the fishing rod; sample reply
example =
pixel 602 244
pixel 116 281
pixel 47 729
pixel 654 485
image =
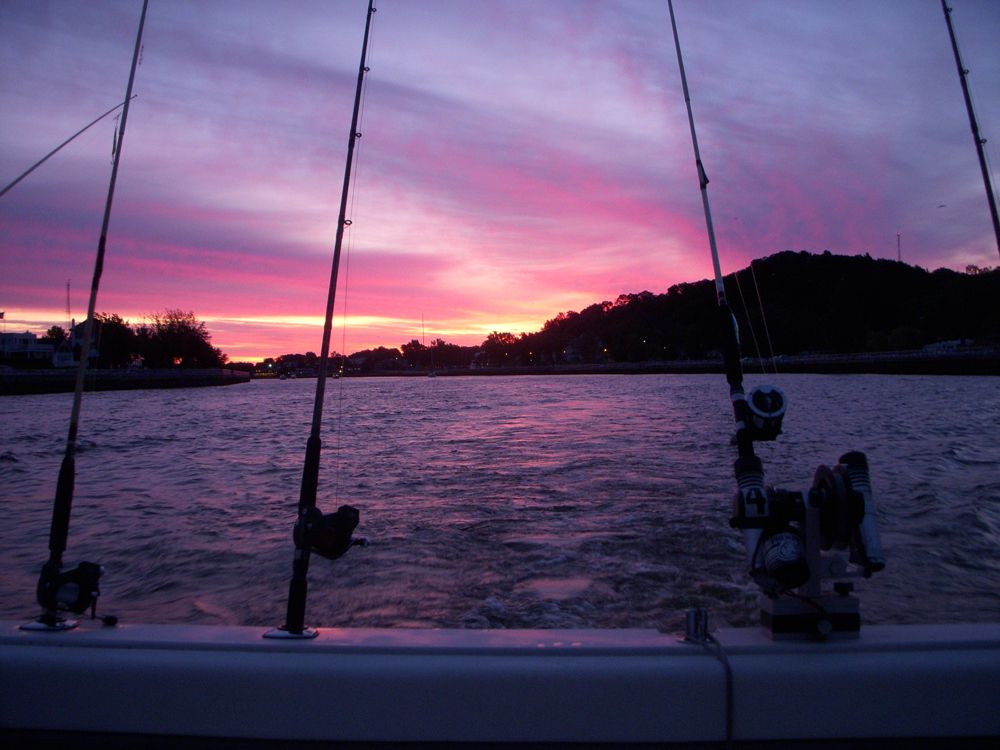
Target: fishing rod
pixel 77 590
pixel 328 535
pixel 730 328
pixel 786 533
pixel 748 467
pixel 979 140
pixel 59 148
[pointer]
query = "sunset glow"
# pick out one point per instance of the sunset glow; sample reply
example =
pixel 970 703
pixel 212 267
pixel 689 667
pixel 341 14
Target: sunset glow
pixel 518 159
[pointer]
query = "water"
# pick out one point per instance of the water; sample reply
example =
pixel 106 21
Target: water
pixel 574 501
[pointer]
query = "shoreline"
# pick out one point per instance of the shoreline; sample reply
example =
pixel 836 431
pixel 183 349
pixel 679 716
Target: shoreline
pixel 983 361
pixel 971 362
pixel 29 382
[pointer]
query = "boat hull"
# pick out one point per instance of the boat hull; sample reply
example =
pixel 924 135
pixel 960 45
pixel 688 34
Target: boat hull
pixel 478 686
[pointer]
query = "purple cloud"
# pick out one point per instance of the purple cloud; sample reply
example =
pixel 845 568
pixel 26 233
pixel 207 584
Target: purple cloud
pixel 518 159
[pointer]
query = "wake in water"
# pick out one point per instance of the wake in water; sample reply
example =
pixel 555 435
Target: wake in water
pixel 585 501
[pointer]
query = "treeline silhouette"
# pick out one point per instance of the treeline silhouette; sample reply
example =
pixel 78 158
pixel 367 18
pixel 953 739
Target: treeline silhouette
pixel 786 304
pixel 172 338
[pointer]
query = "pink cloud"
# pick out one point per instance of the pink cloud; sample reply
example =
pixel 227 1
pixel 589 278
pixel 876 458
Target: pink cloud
pixel 513 164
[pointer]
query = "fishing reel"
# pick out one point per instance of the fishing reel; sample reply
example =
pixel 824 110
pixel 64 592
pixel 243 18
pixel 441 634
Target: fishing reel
pixel 772 524
pixel 843 496
pixel 328 535
pixel 75 590
pixel 795 542
pixel 766 406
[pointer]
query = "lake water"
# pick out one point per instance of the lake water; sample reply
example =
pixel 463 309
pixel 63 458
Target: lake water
pixel 573 501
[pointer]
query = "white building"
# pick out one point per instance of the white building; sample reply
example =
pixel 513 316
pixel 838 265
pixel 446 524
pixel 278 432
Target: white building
pixel 21 347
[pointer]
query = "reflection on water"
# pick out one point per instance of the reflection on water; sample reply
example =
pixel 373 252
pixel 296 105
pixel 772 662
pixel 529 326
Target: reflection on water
pixel 575 501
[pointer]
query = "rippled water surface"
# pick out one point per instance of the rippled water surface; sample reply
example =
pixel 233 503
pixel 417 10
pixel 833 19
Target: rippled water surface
pixel 573 501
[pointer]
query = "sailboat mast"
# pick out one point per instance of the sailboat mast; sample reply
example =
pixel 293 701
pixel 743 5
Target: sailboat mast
pixel 976 137
pixel 298 588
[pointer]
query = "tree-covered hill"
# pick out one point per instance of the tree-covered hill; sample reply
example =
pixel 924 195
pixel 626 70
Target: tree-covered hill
pixel 811 303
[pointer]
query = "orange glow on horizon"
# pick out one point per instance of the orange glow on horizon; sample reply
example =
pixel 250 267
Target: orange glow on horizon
pixel 255 338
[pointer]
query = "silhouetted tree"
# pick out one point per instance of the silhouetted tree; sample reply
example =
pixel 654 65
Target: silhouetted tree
pixel 115 341
pixel 175 338
pixel 378 359
pixel 499 347
pixel 414 353
pixel 55 336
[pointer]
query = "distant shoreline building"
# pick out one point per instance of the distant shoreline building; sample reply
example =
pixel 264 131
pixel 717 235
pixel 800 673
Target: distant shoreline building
pixel 24 348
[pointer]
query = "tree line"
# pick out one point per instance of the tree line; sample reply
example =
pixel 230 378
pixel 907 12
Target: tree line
pixel 785 304
pixel 173 338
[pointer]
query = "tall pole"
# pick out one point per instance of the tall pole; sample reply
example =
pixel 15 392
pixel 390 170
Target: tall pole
pixel 979 140
pixel 298 588
pixel 59 530
pixel 899 249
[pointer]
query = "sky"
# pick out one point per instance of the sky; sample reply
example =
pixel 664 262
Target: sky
pixel 518 158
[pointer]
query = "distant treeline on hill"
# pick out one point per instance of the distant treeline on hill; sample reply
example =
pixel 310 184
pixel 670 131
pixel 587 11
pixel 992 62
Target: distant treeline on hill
pixel 789 303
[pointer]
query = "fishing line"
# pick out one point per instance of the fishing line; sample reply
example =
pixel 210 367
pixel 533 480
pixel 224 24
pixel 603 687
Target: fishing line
pixel 763 318
pixel 338 428
pixel 355 188
pixel 750 325
pixel 58 148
